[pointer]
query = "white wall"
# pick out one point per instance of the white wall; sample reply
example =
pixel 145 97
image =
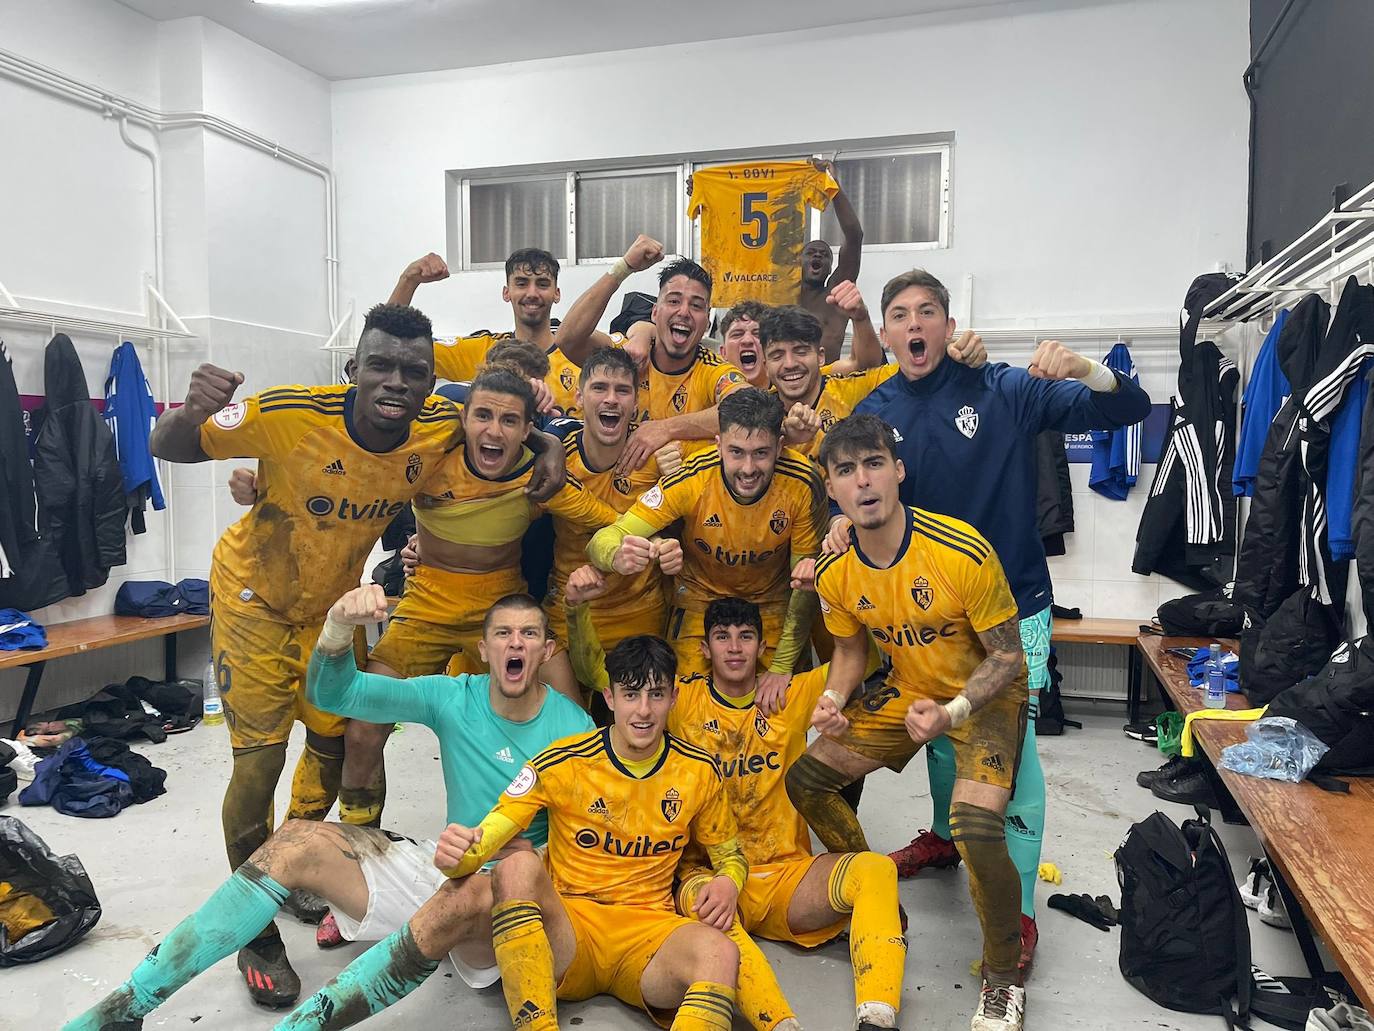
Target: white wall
pixel 1099 157
pixel 1099 163
pixel 244 245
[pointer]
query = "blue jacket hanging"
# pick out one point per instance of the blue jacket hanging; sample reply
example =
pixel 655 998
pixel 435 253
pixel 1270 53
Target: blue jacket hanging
pixel 130 413
pixel 1116 453
pixel 1264 396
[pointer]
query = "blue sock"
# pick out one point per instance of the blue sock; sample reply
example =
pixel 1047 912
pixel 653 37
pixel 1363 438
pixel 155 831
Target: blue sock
pixel 1026 820
pixel 383 975
pixel 231 918
pixel 940 767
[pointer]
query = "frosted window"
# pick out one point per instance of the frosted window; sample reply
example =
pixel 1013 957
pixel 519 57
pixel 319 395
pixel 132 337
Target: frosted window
pixel 503 217
pixel 612 211
pixel 897 198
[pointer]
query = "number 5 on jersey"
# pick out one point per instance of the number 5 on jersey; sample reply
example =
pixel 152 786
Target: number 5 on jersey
pixel 750 215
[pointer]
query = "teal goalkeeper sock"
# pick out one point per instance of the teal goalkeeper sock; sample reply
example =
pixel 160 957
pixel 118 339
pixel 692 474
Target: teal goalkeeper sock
pixel 1026 820
pixel 940 766
pixel 383 975
pixel 231 918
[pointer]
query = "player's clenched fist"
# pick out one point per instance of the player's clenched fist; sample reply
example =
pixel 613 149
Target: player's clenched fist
pixel 827 717
pixel 454 844
pixel 669 458
pixel 800 426
pixel 633 555
pixel 360 606
pixel 1052 360
pixel 243 487
pixel 211 389
pixel 837 537
pixel 716 903
pixel 804 575
pixel 846 297
pixel 926 720
pixel 967 349
pixel 429 269
pixel 668 555
pixel 643 253
pixel 584 584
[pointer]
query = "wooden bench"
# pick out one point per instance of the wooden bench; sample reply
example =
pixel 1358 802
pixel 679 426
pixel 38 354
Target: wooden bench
pixel 1120 632
pixel 86 635
pixel 1318 842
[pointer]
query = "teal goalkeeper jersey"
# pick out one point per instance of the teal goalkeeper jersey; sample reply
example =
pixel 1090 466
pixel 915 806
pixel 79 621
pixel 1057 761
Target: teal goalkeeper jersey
pixel 480 752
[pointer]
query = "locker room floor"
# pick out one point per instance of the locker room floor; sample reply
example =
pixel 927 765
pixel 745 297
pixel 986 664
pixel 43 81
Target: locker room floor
pixel 153 863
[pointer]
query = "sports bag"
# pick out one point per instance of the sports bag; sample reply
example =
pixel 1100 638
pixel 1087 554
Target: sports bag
pixel 1337 704
pixel 1185 942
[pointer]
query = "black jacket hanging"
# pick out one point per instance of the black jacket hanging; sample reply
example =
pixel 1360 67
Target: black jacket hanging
pixel 1187 531
pixel 1267 572
pixel 1053 491
pixel 1349 341
pixel 81 500
pixel 30 576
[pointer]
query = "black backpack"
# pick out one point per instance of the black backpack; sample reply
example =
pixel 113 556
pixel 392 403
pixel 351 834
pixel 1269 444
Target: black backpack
pixel 1185 941
pixel 1208 614
pixel 1337 704
pixel 1293 644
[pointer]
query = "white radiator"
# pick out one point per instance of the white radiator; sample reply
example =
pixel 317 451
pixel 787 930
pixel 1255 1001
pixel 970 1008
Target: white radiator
pixel 1092 670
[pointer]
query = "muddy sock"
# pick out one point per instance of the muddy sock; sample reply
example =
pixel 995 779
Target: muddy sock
pixel 383 975
pixel 814 789
pixel 995 887
pixel 315 785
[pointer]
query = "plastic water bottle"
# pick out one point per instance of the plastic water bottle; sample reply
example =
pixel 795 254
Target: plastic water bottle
pixel 214 706
pixel 1216 680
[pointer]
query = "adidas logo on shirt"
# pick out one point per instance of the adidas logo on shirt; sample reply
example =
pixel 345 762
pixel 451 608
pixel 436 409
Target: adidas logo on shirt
pixel 864 604
pixel 714 520
pixel 334 468
pixel 505 756
pixel 598 808
pixel 711 726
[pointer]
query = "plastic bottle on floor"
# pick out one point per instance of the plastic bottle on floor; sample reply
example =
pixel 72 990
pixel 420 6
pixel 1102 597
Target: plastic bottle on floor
pixel 214 705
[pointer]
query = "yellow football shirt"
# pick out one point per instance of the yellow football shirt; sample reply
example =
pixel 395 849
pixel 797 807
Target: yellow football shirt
pixel 840 395
pixel 459 359
pixel 730 548
pixel 709 378
pixel 753 226
pixel 614 837
pixel 323 499
pixel 462 506
pixel 927 608
pixel 627 593
pixel 753 753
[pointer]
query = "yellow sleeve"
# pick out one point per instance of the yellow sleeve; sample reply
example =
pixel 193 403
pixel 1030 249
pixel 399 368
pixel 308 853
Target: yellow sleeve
pixel 795 633
pixel 721 380
pixel 584 651
pixel 728 860
pixel 986 594
pixel 256 427
pixel 458 360
pixel 515 810
pixel 579 506
pixel 606 542
pixel 818 188
pixel 663 503
pixel 838 620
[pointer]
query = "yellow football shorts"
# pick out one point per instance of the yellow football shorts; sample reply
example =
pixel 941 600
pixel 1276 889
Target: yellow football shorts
pixel 987 748
pixel 614 945
pixel 766 897
pixel 260 665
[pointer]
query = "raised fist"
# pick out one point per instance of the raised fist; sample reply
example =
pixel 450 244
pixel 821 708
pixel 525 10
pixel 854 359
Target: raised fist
pixel 846 297
pixel 360 606
pixel 211 389
pixel 643 253
pixel 429 269
pixel 1052 360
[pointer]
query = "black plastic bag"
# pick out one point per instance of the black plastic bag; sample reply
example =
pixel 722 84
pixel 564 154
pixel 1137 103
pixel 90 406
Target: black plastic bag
pixel 27 865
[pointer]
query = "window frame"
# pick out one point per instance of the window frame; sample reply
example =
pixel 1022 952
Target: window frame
pixel 460 181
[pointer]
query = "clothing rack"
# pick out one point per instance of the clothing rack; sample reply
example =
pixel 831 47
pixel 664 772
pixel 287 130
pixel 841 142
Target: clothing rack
pixel 1340 244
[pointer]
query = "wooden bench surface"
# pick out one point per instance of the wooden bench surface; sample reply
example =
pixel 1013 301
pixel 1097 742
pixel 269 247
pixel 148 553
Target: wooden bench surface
pixel 1096 631
pixel 83 635
pixel 1323 842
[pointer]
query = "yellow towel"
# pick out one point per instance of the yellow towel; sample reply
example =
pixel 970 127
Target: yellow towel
pixel 1245 715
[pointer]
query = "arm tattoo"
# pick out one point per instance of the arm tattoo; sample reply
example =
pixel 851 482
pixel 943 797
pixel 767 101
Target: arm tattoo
pixel 1004 663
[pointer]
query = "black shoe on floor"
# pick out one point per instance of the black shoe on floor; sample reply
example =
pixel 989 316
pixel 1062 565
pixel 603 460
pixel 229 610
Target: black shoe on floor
pixel 306 906
pixel 1142 730
pixel 268 974
pixel 1175 765
pixel 866 1026
pixel 1191 787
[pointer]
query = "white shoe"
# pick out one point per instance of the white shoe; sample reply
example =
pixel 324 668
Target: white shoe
pixel 1271 909
pixel 23 762
pixel 1000 1009
pixel 1252 889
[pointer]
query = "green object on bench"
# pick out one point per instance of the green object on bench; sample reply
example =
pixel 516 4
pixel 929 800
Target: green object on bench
pixel 1170 727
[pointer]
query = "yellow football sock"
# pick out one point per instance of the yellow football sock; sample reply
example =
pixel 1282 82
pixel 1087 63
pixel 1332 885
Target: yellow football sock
pixel 760 997
pixel 707 1006
pixel 526 962
pixel 864 884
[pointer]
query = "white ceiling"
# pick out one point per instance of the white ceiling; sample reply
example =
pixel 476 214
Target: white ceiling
pixel 388 37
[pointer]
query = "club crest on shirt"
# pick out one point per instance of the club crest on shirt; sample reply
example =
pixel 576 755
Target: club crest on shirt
pixel 778 523
pixel 621 484
pixel 413 466
pixel 966 422
pixel 671 805
pixel 827 419
pixel 921 593
pixel 679 400
pixel 760 724
pixel 565 379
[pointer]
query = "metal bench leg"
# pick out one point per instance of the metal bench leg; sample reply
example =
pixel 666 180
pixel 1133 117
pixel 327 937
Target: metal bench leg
pixel 26 700
pixel 169 657
pixel 1302 930
pixel 1134 683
